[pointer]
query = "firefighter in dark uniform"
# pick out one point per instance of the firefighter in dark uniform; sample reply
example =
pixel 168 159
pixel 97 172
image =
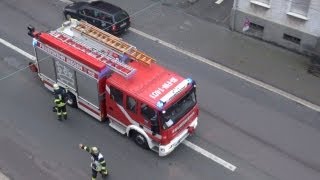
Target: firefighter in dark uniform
pixel 60 102
pixel 98 163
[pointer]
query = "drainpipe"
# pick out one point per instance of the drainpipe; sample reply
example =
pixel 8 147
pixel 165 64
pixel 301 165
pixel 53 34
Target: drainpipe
pixel 233 13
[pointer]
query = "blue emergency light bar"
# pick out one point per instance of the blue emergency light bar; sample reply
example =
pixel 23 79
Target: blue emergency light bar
pixel 166 98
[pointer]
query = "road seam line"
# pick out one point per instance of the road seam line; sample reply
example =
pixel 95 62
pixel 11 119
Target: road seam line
pixel 230 71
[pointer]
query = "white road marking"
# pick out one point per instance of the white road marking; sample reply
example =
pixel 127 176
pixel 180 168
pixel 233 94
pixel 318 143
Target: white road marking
pixel 219 1
pixel 3 177
pixel 209 155
pixel 6 43
pixel 66 1
pixel 230 71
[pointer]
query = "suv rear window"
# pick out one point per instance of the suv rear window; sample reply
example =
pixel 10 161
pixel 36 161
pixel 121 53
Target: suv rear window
pixel 121 16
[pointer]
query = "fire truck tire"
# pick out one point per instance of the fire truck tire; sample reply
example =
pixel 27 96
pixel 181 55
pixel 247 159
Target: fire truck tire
pixel 72 100
pixel 140 140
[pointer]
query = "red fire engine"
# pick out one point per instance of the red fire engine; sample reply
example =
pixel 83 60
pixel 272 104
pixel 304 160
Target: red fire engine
pixel 113 80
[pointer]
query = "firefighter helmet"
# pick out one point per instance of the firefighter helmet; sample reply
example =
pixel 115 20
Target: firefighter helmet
pixel 95 150
pixel 55 86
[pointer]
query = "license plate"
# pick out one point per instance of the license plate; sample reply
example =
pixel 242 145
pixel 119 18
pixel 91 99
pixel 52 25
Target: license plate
pixel 123 24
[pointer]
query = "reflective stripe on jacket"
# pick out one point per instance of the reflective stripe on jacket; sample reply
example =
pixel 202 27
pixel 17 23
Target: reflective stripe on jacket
pixel 59 101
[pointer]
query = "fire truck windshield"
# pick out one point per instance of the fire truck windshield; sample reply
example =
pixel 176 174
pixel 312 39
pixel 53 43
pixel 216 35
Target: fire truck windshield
pixel 174 113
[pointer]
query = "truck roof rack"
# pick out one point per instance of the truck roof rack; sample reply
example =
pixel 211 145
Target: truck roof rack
pixel 112 41
pixel 112 62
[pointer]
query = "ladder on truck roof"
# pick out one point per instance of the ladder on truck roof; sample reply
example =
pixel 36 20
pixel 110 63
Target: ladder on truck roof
pixel 112 62
pixel 116 43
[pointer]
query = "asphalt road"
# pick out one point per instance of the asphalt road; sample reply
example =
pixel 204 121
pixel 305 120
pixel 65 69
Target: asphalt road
pixel 265 135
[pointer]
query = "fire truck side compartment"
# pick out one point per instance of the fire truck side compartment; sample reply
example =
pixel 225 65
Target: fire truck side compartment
pixel 45 63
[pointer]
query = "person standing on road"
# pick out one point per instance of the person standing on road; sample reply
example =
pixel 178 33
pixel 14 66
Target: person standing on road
pixel 98 163
pixel 60 102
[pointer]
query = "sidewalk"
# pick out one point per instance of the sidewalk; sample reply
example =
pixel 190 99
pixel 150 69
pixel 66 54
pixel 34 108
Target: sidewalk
pixel 273 65
pixel 3 177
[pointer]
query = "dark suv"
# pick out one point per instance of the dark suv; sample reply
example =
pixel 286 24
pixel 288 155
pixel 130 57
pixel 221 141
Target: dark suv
pixel 101 14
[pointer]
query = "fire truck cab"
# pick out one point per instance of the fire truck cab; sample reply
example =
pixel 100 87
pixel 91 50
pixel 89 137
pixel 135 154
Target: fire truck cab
pixel 113 80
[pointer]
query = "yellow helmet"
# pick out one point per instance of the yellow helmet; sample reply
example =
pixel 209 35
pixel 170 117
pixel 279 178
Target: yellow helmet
pixel 94 150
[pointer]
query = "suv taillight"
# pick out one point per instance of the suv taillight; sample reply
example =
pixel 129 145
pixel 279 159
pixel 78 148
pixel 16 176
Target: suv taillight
pixel 114 27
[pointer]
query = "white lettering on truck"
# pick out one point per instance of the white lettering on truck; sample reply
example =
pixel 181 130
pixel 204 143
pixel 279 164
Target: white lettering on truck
pixel 74 64
pixel 166 85
pixel 67 60
pixel 52 52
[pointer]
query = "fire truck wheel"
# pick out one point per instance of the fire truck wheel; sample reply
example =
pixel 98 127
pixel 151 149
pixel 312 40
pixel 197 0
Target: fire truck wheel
pixel 72 100
pixel 140 140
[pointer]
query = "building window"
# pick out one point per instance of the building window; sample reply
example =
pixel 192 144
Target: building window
pixel 291 38
pixel 262 3
pixel 299 9
pixel 256 27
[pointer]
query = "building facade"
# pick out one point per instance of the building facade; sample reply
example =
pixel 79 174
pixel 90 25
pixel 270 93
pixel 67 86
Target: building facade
pixel 293 24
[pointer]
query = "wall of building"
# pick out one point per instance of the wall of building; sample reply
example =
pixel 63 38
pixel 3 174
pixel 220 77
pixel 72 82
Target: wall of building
pixel 275 23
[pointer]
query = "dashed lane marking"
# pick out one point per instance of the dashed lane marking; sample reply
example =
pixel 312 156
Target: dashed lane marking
pixel 6 43
pixel 219 1
pixel 230 71
pixel 66 1
pixel 209 155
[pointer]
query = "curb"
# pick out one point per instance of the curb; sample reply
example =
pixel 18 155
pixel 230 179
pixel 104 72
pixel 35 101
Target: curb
pixel 3 177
